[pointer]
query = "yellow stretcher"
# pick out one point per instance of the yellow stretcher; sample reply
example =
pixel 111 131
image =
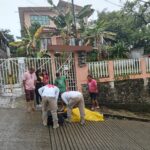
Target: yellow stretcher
pixel 89 115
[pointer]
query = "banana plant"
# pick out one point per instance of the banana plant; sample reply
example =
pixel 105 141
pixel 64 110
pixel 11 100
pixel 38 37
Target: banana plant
pixel 65 21
pixel 27 44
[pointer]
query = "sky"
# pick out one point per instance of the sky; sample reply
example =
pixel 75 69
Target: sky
pixel 9 16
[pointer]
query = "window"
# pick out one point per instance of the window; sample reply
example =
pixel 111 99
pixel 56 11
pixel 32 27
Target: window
pixel 45 42
pixel 43 20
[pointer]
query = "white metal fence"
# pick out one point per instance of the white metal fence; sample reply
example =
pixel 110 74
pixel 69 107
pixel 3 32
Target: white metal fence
pixel 98 69
pixel 147 65
pixel 120 67
pixel 126 67
pixel 67 68
pixel 12 70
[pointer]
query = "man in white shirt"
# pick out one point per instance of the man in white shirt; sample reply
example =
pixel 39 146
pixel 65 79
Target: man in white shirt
pixel 74 99
pixel 49 94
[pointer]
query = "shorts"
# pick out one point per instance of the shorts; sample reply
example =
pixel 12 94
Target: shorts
pixel 29 95
pixel 93 96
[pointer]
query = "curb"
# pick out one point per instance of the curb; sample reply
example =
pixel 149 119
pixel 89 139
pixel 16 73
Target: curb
pixel 125 117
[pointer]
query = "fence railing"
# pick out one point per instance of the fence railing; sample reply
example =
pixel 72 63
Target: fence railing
pixel 98 69
pixel 147 65
pixel 126 67
pixel 12 70
pixel 102 69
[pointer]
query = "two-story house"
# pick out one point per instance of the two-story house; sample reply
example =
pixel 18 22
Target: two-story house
pixel 29 15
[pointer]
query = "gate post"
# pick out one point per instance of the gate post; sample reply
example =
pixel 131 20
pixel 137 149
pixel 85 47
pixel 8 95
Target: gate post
pixel 81 73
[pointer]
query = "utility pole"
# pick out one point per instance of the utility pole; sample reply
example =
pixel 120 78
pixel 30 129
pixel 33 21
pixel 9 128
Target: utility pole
pixel 74 18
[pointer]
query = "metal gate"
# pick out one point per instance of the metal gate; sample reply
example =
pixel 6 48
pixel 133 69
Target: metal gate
pixel 12 70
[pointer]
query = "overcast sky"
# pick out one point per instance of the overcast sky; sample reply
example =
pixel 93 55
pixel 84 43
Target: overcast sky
pixel 9 17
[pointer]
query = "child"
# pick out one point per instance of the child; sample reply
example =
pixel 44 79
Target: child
pixel 92 87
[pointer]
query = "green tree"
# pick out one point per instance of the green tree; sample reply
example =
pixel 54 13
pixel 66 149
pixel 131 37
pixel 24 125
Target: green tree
pixel 27 46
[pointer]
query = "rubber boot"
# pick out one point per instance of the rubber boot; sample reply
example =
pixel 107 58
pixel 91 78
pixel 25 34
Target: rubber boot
pixel 28 107
pixel 55 124
pixel 82 121
pixel 44 118
pixel 55 119
pixel 32 105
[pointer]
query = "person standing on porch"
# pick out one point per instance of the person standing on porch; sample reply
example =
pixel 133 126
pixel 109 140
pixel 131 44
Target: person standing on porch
pixel 49 94
pixel 74 99
pixel 62 84
pixel 93 91
pixel 29 81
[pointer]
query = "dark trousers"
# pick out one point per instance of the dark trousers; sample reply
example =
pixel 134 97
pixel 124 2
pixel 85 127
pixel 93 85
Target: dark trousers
pixel 37 96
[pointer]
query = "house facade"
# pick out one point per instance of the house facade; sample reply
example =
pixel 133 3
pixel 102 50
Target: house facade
pixel 29 15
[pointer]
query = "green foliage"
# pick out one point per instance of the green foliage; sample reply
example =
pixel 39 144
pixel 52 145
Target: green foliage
pixel 86 11
pixel 64 21
pixel 119 50
pixel 7 34
pixel 26 47
pixel 92 56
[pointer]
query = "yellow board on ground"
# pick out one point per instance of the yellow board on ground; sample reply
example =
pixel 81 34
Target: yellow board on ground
pixel 89 115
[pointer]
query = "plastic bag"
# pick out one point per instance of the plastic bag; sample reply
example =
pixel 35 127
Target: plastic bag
pixel 89 115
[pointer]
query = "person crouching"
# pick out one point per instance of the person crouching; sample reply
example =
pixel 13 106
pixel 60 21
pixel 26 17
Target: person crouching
pixel 49 94
pixel 74 99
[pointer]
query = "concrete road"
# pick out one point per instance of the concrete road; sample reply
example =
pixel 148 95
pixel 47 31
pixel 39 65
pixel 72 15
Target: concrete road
pixel 22 131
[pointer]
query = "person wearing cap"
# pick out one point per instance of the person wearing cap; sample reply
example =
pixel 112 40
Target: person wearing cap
pixel 49 94
pixel 74 99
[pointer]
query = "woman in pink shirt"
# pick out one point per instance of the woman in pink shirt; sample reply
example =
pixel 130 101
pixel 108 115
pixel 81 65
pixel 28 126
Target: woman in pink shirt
pixel 93 91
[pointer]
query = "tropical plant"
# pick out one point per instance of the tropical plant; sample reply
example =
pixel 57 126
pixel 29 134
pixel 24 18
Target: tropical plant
pixel 64 21
pixel 27 45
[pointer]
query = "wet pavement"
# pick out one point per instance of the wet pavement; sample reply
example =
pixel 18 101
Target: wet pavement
pixel 20 130
pixel 23 131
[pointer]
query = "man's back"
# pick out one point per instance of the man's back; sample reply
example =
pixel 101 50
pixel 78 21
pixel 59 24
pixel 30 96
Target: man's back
pixel 49 91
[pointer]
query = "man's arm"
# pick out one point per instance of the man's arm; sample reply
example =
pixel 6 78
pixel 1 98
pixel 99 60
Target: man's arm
pixel 57 93
pixel 65 100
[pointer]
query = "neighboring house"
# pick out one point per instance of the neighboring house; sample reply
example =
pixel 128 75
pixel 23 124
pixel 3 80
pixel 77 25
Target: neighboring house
pixel 3 46
pixel 29 15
